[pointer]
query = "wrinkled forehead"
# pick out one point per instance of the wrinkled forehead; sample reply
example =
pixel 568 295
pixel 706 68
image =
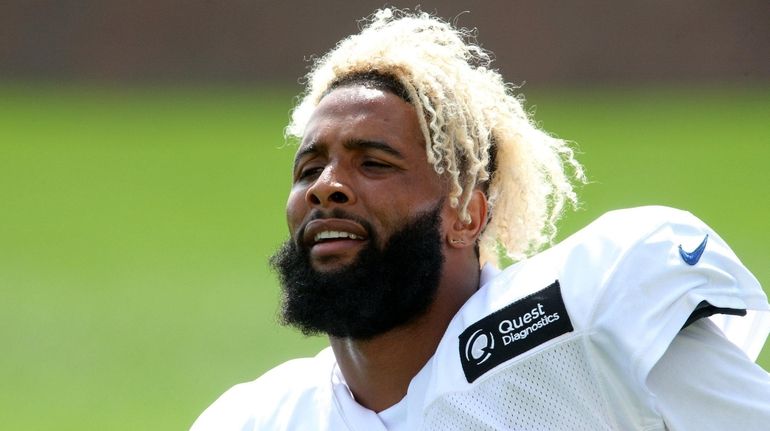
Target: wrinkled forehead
pixel 366 111
pixel 348 100
pixel 356 114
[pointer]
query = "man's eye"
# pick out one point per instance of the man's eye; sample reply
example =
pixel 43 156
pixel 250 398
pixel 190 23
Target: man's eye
pixel 375 164
pixel 309 173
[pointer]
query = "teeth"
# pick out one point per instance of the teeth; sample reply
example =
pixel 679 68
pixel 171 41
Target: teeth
pixel 333 234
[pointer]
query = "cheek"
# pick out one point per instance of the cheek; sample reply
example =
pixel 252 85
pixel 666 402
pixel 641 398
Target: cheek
pixel 296 209
pixel 393 214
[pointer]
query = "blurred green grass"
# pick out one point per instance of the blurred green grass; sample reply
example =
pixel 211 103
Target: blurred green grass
pixel 135 225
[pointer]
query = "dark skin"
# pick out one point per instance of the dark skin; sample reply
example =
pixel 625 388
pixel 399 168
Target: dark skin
pixel 363 152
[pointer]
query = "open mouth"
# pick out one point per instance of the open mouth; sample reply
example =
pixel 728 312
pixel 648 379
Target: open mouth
pixel 335 244
pixel 333 236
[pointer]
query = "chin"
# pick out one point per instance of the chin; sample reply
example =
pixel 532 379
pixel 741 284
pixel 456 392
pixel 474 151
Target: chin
pixel 332 264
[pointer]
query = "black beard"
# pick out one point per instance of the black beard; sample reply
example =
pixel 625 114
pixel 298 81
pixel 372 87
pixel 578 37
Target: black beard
pixel 381 290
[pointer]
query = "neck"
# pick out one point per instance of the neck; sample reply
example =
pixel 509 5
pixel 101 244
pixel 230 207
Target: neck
pixel 378 371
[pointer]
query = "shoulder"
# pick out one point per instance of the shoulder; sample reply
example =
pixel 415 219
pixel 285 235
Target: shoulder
pixel 635 242
pixel 629 282
pixel 654 253
pixel 635 277
pixel 272 400
pixel 608 300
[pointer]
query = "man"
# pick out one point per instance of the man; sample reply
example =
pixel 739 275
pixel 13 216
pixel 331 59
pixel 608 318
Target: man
pixel 416 170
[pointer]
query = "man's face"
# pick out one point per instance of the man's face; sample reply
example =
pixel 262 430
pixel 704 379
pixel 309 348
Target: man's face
pixel 362 154
pixel 366 215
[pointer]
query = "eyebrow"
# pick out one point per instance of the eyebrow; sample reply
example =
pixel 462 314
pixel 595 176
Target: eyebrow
pixel 365 144
pixel 354 144
pixel 312 148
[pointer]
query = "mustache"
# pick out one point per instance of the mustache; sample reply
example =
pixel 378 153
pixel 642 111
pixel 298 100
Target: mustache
pixel 338 213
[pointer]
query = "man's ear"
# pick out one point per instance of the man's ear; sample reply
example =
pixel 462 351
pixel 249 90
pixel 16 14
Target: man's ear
pixel 465 233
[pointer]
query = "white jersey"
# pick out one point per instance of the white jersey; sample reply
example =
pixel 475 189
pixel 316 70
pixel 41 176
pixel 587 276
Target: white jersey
pixel 565 340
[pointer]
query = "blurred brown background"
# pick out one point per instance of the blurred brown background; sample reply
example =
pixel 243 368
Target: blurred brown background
pixel 538 42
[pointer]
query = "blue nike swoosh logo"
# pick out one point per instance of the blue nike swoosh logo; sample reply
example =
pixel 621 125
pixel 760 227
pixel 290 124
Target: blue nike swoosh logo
pixel 692 257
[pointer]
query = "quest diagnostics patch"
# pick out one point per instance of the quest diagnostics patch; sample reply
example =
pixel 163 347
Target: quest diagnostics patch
pixel 511 331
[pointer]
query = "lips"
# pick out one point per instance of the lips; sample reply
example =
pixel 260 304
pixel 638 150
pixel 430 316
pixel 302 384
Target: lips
pixel 332 229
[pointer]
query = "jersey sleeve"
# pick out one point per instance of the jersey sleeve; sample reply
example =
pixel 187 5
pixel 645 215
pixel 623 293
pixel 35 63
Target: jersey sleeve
pixel 673 271
pixel 230 412
pixel 700 370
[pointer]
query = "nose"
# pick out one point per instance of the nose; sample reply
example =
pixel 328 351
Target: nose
pixel 330 188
